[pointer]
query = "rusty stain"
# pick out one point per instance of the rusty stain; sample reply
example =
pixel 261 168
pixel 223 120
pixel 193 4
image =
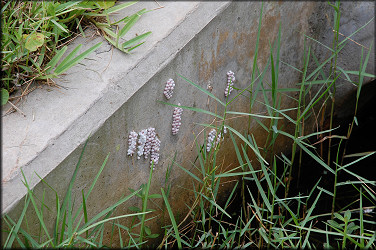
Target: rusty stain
pixel 222 38
pixel 234 35
pixel 207 68
pixel 203 68
pixel 217 58
pixel 244 41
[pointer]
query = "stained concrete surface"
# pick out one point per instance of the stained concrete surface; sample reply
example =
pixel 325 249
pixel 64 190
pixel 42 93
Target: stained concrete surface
pixel 111 94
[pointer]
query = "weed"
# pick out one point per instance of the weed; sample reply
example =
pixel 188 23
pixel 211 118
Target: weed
pixel 35 35
pixel 71 228
pixel 272 214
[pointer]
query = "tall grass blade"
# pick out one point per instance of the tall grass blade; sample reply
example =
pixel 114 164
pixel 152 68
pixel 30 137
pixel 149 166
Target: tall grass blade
pixel 361 75
pixel 84 229
pixel 348 37
pixel 171 214
pixel 85 210
pixel 14 231
pixel 257 182
pixel 112 34
pixel 227 174
pixel 361 222
pixel 92 185
pixel 190 173
pixel 63 224
pixel 201 157
pixel 351 72
pixel 317 159
pixel 40 218
pixel 253 115
pixel 314 101
pixel 248 143
pixel 306 240
pixel 324 63
pixel 193 109
pixel 145 202
pixel 216 205
pixel 357 160
pixel 132 48
pixel 99 215
pixel 254 67
pixel 202 90
pixel 238 155
pixel 310 210
pixel 325 191
pixel 64 6
pixel 23 232
pixel 371 241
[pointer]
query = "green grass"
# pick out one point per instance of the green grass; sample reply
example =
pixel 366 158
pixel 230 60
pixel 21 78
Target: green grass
pixel 268 213
pixel 270 216
pixel 71 228
pixel 35 35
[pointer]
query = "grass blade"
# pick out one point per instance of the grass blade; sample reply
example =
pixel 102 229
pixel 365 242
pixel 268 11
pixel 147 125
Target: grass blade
pixel 63 67
pixel 92 185
pixel 257 182
pixel 310 210
pixel 190 173
pixel 111 33
pixel 201 157
pixel 202 90
pixel 359 73
pixel 99 215
pixel 314 101
pixel 254 115
pixel 67 197
pixel 134 18
pixel 248 143
pixel 55 59
pixel 69 57
pixel 118 7
pixel 145 201
pixel 84 229
pixel 130 49
pixel 24 233
pixel 132 41
pixel 59 25
pixel 317 159
pixel 357 160
pixel 177 235
pixel 216 205
pixel 30 193
pixel 85 210
pixel 15 229
pixel 193 109
pixel 227 174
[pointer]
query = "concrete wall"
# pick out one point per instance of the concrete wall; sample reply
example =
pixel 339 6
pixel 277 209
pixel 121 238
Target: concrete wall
pixel 113 93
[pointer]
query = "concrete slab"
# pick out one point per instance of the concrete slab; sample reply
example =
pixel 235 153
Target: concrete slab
pixel 111 93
